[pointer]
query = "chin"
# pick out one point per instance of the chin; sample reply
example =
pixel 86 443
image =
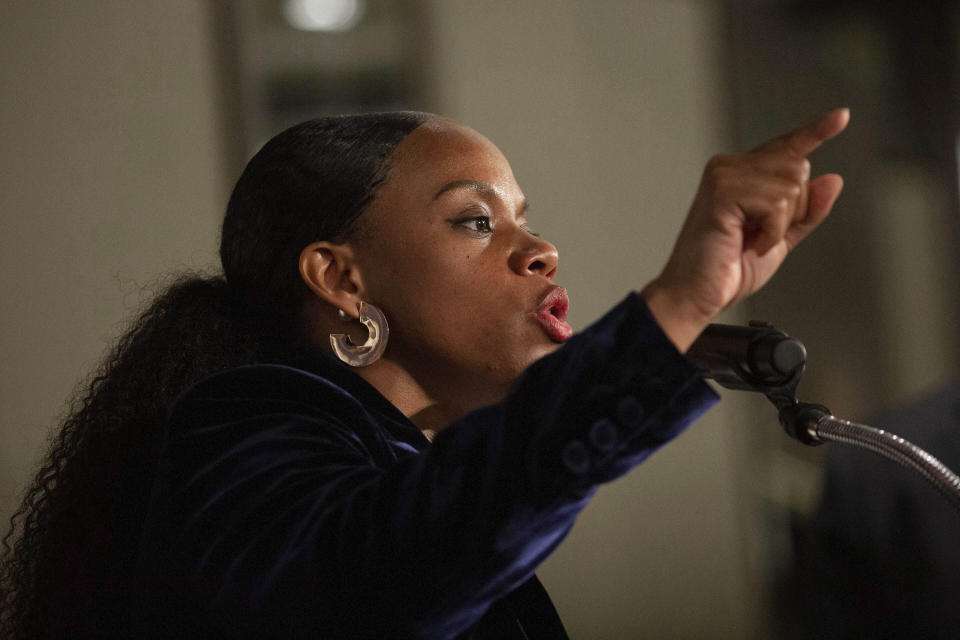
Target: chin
pixel 542 350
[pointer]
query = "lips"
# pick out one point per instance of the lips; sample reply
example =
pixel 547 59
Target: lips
pixel 551 314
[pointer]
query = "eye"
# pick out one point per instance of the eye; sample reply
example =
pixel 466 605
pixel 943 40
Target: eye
pixel 527 228
pixel 477 225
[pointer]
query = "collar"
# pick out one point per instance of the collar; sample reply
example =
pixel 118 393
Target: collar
pixel 374 402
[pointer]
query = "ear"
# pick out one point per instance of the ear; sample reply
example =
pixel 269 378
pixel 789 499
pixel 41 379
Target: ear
pixel 329 270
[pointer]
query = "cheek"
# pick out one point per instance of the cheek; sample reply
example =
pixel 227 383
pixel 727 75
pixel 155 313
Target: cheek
pixel 482 329
pixel 464 311
pixel 462 316
pixel 460 307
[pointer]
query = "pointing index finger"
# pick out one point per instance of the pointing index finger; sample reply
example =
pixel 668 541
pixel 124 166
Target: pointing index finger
pixel 804 140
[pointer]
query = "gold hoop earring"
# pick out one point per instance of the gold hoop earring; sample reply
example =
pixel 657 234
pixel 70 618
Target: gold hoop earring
pixel 378 332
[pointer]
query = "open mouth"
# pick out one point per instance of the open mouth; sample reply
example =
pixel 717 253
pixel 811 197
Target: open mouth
pixel 552 313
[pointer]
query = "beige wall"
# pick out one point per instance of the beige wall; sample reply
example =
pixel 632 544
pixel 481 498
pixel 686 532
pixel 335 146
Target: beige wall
pixel 112 176
pixel 608 112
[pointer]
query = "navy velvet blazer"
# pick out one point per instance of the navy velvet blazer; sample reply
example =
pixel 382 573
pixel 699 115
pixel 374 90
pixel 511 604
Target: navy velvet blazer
pixel 297 502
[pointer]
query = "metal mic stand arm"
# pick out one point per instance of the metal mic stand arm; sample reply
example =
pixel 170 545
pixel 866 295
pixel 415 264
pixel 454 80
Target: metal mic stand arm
pixel 816 425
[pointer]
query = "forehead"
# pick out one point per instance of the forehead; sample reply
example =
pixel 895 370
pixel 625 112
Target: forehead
pixel 441 151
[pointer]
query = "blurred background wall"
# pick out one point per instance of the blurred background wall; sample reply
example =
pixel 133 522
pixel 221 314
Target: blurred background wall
pixel 125 123
pixel 113 173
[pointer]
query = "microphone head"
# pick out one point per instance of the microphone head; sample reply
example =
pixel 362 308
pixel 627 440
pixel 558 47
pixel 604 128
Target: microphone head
pixel 788 355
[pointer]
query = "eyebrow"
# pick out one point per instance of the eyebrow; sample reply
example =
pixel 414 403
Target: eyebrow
pixel 478 186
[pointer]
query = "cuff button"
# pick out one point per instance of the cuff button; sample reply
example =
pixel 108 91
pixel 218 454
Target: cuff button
pixel 575 457
pixel 603 435
pixel 630 412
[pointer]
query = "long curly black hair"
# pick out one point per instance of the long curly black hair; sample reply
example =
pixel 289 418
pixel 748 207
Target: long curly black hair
pixel 66 563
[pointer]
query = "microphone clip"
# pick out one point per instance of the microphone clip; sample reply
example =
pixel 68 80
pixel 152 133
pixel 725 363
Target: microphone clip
pixel 759 357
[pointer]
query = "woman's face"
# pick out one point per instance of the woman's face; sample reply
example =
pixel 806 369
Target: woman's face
pixel 445 250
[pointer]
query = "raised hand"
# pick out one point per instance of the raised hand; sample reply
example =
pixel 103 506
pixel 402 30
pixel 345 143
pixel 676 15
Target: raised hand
pixel 750 211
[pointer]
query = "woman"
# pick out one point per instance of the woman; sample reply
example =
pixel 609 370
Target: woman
pixel 383 424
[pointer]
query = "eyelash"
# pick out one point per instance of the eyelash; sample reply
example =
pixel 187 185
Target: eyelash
pixel 484 221
pixel 479 221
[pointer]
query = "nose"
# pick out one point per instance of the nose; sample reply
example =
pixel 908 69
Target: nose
pixel 537 257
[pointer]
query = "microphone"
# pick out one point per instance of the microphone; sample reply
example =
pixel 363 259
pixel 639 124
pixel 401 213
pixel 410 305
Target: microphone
pixel 760 357
pixel 757 357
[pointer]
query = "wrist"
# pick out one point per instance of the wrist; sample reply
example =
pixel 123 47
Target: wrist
pixel 679 318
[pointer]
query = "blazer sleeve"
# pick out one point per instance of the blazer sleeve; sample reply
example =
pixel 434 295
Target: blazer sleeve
pixel 270 518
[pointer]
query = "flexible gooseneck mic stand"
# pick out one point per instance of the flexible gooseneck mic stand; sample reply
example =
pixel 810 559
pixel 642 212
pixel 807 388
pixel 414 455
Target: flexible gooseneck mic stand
pixel 762 358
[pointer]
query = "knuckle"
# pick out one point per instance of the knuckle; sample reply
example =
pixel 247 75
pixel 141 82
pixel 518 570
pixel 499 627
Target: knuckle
pixel 781 205
pixel 800 171
pixel 724 181
pixel 717 172
pixel 720 162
